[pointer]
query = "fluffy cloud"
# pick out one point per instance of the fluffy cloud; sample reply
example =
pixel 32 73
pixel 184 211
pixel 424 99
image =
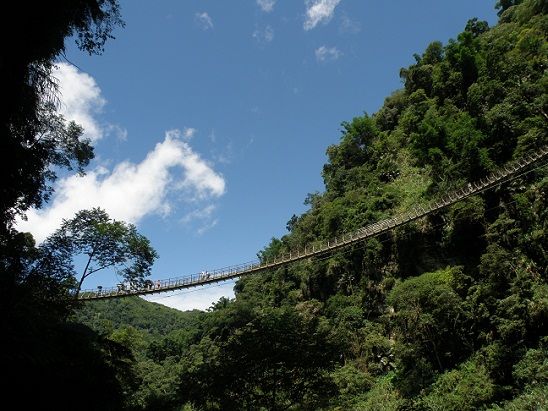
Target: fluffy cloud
pixel 266 5
pixel 319 11
pixel 80 99
pixel 265 35
pixel 324 53
pixel 195 298
pixel 131 191
pixel 204 20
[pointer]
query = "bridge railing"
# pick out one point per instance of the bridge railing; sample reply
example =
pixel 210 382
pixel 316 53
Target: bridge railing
pixel 168 284
pixel 371 230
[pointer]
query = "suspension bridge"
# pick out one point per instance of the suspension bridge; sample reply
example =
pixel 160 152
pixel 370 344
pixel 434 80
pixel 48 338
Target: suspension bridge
pixel 509 172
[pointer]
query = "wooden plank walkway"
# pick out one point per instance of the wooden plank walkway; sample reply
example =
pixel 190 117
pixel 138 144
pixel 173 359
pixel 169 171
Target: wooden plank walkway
pixel 508 172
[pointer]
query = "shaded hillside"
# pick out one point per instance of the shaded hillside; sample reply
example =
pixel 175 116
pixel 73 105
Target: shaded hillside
pixel 152 318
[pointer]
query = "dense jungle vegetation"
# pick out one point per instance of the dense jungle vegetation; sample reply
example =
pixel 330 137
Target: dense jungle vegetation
pixel 449 312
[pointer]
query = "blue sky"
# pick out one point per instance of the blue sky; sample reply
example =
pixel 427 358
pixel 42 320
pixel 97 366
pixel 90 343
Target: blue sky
pixel 211 118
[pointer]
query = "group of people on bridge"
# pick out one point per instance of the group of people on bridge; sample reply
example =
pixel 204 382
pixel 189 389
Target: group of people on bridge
pixel 129 286
pixel 147 285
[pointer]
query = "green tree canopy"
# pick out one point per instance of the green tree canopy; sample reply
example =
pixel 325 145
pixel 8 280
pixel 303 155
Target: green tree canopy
pixel 32 137
pixel 103 242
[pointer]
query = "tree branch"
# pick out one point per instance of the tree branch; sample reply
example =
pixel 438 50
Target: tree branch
pixel 99 269
pixel 84 274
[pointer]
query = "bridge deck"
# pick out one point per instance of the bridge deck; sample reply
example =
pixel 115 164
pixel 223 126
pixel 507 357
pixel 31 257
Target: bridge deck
pixel 508 172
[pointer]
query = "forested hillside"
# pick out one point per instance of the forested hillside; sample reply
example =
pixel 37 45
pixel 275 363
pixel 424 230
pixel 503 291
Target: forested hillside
pixel 449 312
pixel 151 318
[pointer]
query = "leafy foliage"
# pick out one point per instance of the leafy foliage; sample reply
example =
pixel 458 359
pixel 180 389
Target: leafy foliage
pixel 435 314
pixel 154 319
pixel 446 312
pixel 104 243
pixel 465 388
pixel 49 361
pixel 33 138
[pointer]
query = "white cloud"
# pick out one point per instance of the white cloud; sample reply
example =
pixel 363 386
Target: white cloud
pixel 201 214
pixel 319 11
pixel 188 132
pixel 207 226
pixel 200 298
pixel 204 20
pixel 349 26
pixel 80 99
pixel 265 35
pixel 324 53
pixel 119 132
pixel 266 5
pixel 131 191
pixel 203 217
pixel 224 156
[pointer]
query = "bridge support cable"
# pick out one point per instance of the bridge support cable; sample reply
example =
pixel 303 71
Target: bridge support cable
pixel 506 173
